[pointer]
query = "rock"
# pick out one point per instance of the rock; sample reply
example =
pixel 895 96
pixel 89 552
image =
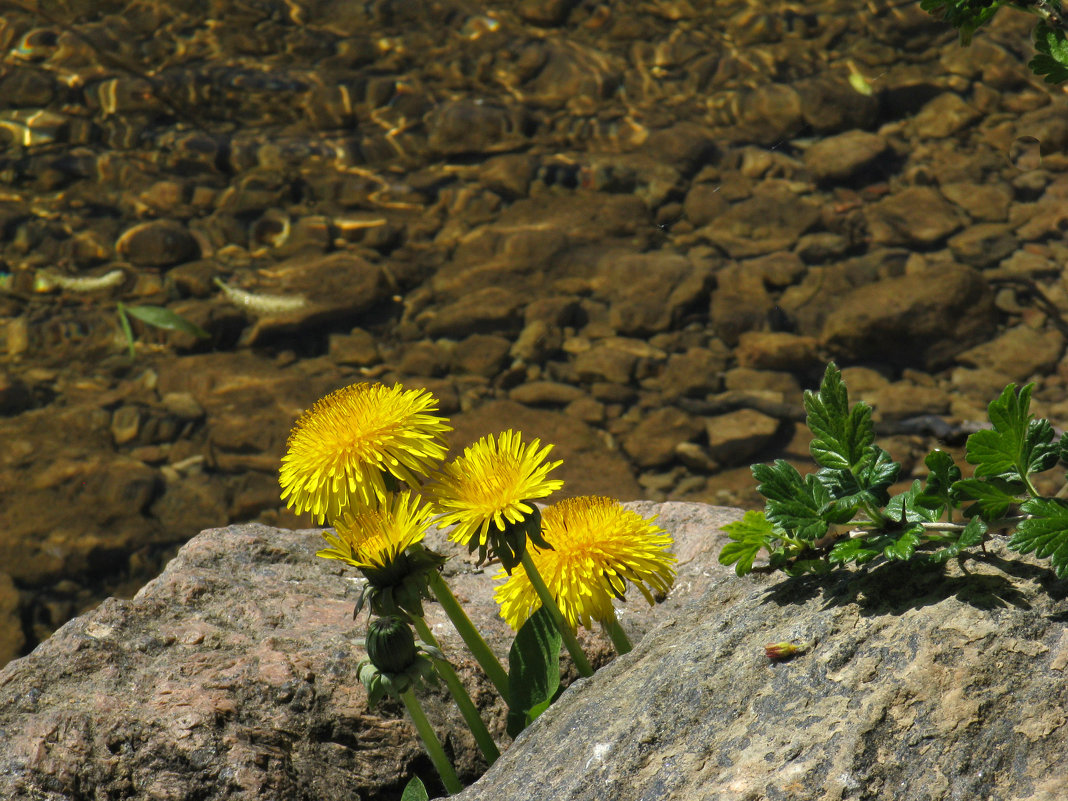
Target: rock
pixel 830 105
pixel 160 243
pixel 357 348
pixel 694 373
pixel 653 441
pixel 685 146
pixel 899 656
pixel 704 203
pixel 778 350
pixel 233 675
pixel 648 292
pixel 740 302
pixel 842 158
pixel 983 245
pixel 484 311
pixel 736 436
pixel 944 116
pixel 1019 354
pixel 984 202
pixel 481 354
pixel 917 217
pixel 903 399
pixel 922 319
pixel 770 221
pixel 770 113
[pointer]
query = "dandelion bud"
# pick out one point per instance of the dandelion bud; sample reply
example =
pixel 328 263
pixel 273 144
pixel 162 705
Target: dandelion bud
pixel 390 645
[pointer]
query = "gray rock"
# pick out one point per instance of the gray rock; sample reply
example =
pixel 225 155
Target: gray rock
pixel 921 319
pixel 765 223
pixel 653 441
pixel 939 684
pixel 1018 354
pixel 843 157
pixel 160 243
pixel 648 292
pixel 916 216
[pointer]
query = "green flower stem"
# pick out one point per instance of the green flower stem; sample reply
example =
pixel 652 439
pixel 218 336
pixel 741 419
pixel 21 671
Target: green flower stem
pixel 431 743
pixel 460 696
pixel 568 636
pixel 478 647
pixel 619 637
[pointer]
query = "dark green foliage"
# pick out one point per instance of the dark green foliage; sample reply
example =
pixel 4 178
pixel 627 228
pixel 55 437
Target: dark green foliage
pixel 533 670
pixel 1051 44
pixel 843 512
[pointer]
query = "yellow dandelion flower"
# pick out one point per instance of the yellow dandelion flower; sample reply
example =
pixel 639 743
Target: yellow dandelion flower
pixel 376 540
pixel 487 491
pixel 344 450
pixel 597 548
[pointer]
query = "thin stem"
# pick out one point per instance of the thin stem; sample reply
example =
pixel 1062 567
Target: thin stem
pixel 619 637
pixel 431 743
pixel 460 695
pixel 547 600
pixel 474 641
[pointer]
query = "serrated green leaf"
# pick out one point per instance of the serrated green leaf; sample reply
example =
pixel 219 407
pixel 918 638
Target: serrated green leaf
pixel 852 550
pixel 533 668
pixel 964 15
pixel 415 790
pixel 993 496
pixel 1017 445
pixel 970 536
pixel 911 507
pixel 796 504
pixel 938 493
pixel 842 435
pixel 1045 534
pixel 904 546
pixel 1051 59
pixel 868 485
pixel 164 318
pixel 748 535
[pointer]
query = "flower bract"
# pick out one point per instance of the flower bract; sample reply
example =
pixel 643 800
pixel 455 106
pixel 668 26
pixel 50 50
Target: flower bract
pixel 487 493
pixel 598 547
pixel 357 443
pixel 379 542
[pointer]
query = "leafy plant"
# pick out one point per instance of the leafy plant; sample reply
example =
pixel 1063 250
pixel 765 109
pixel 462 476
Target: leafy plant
pixel 843 513
pixel 157 316
pixel 1051 44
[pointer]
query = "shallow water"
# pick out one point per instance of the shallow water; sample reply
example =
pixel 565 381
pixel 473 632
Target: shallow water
pixel 567 217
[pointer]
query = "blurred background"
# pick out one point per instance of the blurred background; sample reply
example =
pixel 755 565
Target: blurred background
pixel 636 230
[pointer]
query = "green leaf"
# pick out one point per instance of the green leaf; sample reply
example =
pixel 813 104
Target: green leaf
pixel 1017 446
pixel 166 319
pixel 905 545
pixel 127 332
pixel 748 536
pixel 909 507
pixel 1051 60
pixel 843 435
pixel 868 485
pixel 938 493
pixel 972 535
pixel 966 16
pixel 993 496
pixel 795 504
pixel 415 790
pixel 852 550
pixel 533 669
pixel 1046 533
